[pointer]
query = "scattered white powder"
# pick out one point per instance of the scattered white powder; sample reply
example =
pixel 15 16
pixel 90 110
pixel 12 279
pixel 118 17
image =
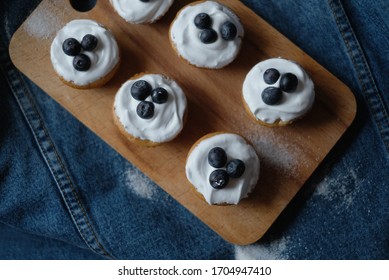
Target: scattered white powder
pixel 277 250
pixel 44 23
pixel 276 155
pixel 139 184
pixel 277 152
pixel 338 188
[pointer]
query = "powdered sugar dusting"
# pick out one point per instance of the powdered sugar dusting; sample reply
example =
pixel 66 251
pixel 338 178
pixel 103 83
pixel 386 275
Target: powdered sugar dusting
pixel 139 184
pixel 338 187
pixel 277 250
pixel 277 152
pixel 44 23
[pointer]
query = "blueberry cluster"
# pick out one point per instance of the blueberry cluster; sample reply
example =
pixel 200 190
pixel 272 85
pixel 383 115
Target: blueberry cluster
pixel 219 178
pixel 140 90
pixel 273 95
pixel 71 47
pixel 208 35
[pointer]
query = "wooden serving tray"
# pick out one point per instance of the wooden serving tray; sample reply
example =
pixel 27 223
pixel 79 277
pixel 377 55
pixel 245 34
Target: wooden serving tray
pixel 289 155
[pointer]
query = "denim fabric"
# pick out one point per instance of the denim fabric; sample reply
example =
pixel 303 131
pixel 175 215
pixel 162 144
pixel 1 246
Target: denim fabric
pixel 64 194
pixel 17 244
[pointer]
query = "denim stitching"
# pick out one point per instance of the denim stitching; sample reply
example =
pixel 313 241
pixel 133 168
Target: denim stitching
pixel 364 74
pixel 363 81
pixel 80 219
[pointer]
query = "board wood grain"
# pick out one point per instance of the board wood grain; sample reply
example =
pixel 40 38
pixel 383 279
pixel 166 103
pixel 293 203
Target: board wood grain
pixel 289 155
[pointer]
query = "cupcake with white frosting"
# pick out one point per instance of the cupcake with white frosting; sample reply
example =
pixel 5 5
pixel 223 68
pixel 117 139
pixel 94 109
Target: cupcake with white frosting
pixel 277 92
pixel 141 11
pixel 85 54
pixel 222 167
pixel 207 34
pixel 150 109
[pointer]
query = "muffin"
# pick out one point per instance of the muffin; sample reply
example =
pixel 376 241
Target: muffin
pixel 277 92
pixel 85 54
pixel 206 34
pixel 141 11
pixel 150 109
pixel 223 168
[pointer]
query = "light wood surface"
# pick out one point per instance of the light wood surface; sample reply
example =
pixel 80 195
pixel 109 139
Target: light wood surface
pixel 289 155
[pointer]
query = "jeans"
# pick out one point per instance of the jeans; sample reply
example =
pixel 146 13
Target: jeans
pixel 64 194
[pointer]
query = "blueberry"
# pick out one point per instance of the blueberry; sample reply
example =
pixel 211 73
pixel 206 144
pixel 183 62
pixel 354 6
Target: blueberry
pixel 271 76
pixel 288 82
pixel 218 179
pixel 89 42
pixel 81 62
pixel 217 157
pixel 146 1
pixel 272 95
pixel 235 168
pixel 140 90
pixel 145 109
pixel 228 31
pixel 71 47
pixel 159 95
pixel 208 36
pixel 203 21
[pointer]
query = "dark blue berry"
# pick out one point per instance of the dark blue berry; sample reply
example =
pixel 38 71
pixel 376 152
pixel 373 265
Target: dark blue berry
pixel 208 36
pixel 217 157
pixel 202 21
pixel 81 62
pixel 272 95
pixel 89 42
pixel 235 168
pixel 271 76
pixel 140 90
pixel 145 1
pixel 159 95
pixel 288 82
pixel 228 31
pixel 218 179
pixel 71 47
pixel 145 109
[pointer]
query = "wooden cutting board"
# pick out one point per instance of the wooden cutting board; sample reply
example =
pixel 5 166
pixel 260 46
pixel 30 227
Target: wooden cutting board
pixel 289 155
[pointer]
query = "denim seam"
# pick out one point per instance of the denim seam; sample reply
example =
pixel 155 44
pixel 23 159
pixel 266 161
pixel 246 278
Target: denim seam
pixel 365 77
pixel 81 221
pixel 57 176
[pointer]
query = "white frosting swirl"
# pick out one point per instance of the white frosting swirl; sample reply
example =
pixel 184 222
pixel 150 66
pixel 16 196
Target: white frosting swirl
pixel 136 11
pixel 168 119
pixel 103 58
pixel 198 169
pixel 292 106
pixel 185 36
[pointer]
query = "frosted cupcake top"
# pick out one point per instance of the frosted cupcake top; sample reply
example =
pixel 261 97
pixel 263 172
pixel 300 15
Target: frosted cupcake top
pixel 151 107
pixel 278 90
pixel 83 52
pixel 141 11
pixel 207 34
pixel 223 167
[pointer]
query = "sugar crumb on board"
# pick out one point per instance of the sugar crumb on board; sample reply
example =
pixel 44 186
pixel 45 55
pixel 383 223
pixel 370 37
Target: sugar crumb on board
pixel 44 23
pixel 275 151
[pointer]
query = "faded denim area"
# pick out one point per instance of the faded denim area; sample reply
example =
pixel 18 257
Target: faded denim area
pixel 64 194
